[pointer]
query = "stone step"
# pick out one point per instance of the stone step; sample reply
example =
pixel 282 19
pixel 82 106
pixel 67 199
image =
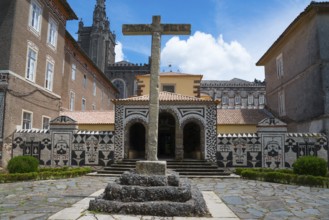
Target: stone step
pixel 187 168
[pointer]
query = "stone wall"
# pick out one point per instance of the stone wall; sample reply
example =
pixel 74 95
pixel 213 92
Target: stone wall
pixel 271 150
pixel 65 148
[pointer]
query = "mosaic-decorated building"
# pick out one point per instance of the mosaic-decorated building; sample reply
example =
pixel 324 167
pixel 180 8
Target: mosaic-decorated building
pixel 187 127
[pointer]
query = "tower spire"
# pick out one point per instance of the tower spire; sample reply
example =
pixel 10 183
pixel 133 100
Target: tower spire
pixel 100 20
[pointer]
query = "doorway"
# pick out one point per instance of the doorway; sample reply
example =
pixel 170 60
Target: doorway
pixel 166 136
pixel 192 141
pixel 137 141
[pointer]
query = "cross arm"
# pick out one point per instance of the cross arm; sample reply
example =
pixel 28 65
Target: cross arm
pixel 137 29
pixel 176 29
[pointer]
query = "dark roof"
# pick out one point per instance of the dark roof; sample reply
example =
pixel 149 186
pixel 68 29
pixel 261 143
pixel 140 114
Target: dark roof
pixel 236 82
pixel 312 7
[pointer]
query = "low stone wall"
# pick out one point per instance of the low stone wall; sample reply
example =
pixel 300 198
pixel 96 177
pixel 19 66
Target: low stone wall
pixel 272 150
pixel 67 148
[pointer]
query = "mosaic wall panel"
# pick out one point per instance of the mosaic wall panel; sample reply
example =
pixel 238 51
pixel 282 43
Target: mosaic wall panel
pixel 66 149
pixel 297 145
pixel 61 149
pixel 119 133
pixel 211 133
pixel 273 150
pixel 33 144
pixel 92 150
pixel 239 150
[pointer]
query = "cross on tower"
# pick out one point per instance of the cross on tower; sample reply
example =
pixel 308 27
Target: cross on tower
pixel 156 29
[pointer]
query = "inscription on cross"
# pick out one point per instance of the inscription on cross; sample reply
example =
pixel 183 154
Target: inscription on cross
pixel 156 29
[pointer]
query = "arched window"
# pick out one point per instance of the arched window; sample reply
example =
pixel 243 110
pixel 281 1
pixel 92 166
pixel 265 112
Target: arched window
pixel 121 86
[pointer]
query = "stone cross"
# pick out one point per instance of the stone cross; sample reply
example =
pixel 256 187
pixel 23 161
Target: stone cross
pixel 156 29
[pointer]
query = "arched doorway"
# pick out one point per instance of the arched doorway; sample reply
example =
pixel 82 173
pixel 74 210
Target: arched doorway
pixel 192 141
pixel 166 136
pixel 137 141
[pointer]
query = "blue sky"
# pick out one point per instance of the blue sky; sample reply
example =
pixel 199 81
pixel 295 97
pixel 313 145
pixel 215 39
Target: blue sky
pixel 228 36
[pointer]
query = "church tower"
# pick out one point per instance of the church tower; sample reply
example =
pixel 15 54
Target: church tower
pixel 98 41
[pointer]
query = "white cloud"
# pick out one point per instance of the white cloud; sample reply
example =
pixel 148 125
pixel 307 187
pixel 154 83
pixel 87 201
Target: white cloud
pixel 212 57
pixel 119 56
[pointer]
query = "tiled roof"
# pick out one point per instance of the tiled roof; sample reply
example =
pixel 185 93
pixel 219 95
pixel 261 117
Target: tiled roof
pixel 91 117
pixel 164 97
pixel 240 116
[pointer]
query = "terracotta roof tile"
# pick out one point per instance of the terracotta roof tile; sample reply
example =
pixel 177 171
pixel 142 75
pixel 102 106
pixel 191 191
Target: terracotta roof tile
pixel 91 117
pixel 240 116
pixel 165 97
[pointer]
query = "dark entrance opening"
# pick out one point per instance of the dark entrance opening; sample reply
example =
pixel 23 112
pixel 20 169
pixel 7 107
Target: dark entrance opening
pixel 192 141
pixel 137 141
pixel 166 136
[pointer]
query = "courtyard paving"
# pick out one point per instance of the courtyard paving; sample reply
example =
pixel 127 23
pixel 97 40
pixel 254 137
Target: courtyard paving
pixel 247 199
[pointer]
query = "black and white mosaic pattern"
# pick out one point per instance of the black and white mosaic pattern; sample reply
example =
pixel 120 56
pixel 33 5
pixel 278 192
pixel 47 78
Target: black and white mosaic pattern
pixel 239 150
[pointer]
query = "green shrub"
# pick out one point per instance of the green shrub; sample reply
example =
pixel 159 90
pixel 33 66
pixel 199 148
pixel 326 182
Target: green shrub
pixel 23 164
pixel 48 173
pixel 310 165
pixel 249 174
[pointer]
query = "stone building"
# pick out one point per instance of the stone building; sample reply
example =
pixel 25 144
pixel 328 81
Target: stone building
pixel 98 41
pixel 36 66
pixel 123 75
pixel 235 93
pixel 297 71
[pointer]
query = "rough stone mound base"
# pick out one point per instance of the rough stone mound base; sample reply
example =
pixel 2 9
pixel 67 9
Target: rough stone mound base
pixel 148 193
pixel 155 195
pixel 196 206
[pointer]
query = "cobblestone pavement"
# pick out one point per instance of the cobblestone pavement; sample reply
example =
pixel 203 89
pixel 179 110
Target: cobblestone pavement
pixel 247 199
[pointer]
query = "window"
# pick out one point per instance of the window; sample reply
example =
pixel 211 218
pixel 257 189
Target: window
pixel 84 81
pixel 237 100
pixel 52 33
pixel 49 75
pixel 31 64
pixel 279 66
pixel 225 100
pixel 94 88
pixel 72 98
pixel 83 106
pixel 45 122
pixel 250 99
pixel 94 107
pixel 168 88
pixel 35 17
pixel 282 105
pixel 74 69
pixel 261 99
pixel 27 120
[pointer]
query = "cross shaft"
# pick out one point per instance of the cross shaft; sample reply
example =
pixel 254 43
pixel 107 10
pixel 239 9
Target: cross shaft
pixel 156 29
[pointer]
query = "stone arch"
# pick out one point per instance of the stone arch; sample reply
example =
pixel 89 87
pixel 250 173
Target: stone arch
pixel 120 84
pixel 193 131
pixel 129 150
